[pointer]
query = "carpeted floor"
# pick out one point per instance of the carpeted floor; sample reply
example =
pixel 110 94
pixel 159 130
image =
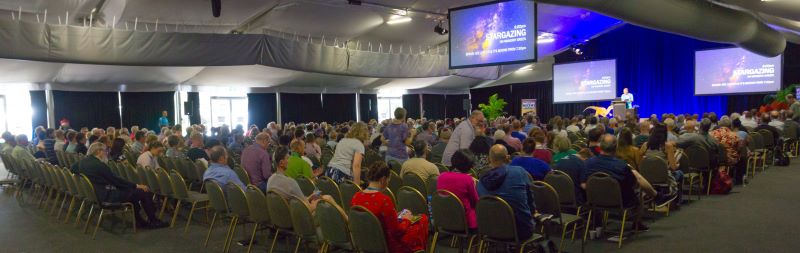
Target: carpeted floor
pixel 757 218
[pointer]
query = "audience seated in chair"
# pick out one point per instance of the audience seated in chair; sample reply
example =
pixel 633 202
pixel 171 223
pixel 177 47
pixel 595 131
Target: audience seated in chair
pixel 218 169
pixel 512 184
pixel 418 165
pixel 149 158
pixel 407 234
pixel 287 186
pixel 462 184
pixel 536 167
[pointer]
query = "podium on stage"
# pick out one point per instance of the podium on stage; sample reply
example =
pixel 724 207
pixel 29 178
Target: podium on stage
pixel 620 107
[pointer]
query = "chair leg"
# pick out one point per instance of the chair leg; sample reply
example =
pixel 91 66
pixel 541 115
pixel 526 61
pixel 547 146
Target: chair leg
pixel 297 247
pixel 274 239
pixel 588 222
pixel 252 237
pixel 163 207
pixel 208 235
pixel 175 213
pixel 61 207
pixel 69 209
pixel 133 218
pixel 88 219
pixel 231 232
pixel 563 235
pixel 189 220
pixel 708 187
pixel 80 212
pixel 622 230
pixel 99 220
pixel 469 245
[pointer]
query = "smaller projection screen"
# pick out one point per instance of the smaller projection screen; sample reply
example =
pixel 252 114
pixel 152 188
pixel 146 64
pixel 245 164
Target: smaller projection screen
pixel 585 81
pixel 492 34
pixel 735 71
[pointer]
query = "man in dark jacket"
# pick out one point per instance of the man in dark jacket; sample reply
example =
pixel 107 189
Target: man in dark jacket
pixel 112 189
pixel 512 184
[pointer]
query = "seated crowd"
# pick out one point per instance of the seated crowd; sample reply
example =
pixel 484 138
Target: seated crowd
pixel 499 158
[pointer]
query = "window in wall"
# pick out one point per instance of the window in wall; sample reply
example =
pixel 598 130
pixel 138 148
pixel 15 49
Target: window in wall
pixel 229 111
pixel 388 100
pixel 16 114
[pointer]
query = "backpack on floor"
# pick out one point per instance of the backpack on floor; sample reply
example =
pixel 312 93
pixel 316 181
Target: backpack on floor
pixel 721 183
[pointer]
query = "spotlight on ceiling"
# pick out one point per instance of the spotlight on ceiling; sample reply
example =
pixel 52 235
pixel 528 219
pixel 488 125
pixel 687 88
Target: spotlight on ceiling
pixel 397 19
pixel 440 29
pixel 578 49
pixel 354 2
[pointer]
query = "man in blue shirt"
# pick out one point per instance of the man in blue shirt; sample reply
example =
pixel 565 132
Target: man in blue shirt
pixel 163 121
pixel 627 97
pixel 511 184
pixel 534 166
pixel 218 169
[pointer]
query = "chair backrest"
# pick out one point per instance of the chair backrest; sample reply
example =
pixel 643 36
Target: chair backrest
pixel 216 197
pixel 306 185
pixel 179 189
pixel 414 181
pixel 77 180
pixel 603 191
pixel 442 168
pixel 152 181
pixel 496 219
pixel 768 139
pixel 302 220
pixel 278 210
pixel 698 157
pixel 395 181
pixel 448 212
pixel 430 184
pixel 654 169
pixel 755 140
pixel 333 223
pixel 367 231
pixel 189 168
pixel 88 190
pixel 164 182
pixel 243 176
pixel 328 187
pixel 199 169
pixel 546 199
pixel 327 155
pixel 130 174
pixel 141 175
pixel 564 186
pixel 411 199
pixel 395 166
pixel 390 193
pixel 257 202
pixel 790 131
pixel 348 190
pixel 237 200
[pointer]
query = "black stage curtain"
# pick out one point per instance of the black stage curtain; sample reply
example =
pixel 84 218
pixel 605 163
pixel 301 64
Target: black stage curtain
pixel 39 106
pixel 338 107
pixel 454 106
pixel 481 96
pixel 194 99
pixel 411 104
pixel 368 106
pixel 87 109
pixel 300 108
pixel 143 109
pixel 262 109
pixel 434 106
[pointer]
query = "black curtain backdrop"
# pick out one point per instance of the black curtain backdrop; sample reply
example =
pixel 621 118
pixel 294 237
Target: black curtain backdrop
pixel 143 109
pixel 301 108
pixel 411 104
pixel 87 109
pixel 454 106
pixel 481 96
pixel 262 109
pixel 338 107
pixel 368 106
pixel 39 107
pixel 194 99
pixel 434 106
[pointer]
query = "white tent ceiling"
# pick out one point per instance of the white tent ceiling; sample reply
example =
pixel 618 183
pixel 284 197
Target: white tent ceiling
pixel 333 19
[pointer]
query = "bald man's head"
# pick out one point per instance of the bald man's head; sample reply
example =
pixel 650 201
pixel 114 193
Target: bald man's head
pixel 690 126
pixel 498 155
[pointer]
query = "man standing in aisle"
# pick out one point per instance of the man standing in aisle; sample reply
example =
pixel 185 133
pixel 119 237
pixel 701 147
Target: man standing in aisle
pixel 163 121
pixel 462 136
pixel 627 97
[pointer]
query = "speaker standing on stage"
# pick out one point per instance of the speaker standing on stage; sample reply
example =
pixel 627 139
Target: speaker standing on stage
pixel 163 121
pixel 627 97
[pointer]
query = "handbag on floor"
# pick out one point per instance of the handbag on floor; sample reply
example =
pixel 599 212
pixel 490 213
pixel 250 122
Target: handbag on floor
pixel 721 183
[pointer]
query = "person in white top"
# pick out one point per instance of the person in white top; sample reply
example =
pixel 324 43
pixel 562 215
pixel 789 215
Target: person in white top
pixel 748 121
pixel 149 158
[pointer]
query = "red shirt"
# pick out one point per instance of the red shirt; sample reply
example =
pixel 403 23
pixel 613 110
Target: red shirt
pixel 544 155
pixel 400 238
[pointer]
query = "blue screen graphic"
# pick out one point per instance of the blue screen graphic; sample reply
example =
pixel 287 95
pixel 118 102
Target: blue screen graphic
pixel 493 34
pixel 735 70
pixel 585 81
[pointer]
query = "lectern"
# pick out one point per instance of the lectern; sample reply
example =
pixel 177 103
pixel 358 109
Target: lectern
pixel 620 107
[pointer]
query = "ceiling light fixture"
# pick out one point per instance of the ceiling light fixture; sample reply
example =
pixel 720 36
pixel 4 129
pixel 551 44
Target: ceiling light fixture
pixel 439 29
pixel 396 19
pixel 545 38
pixel 526 68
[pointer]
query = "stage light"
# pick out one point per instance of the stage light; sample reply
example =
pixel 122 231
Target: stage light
pixel 354 2
pixel 578 49
pixel 439 29
pixel 395 19
pixel 545 38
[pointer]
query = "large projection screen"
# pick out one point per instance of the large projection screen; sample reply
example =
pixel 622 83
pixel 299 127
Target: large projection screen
pixel 585 81
pixel 492 34
pixel 735 71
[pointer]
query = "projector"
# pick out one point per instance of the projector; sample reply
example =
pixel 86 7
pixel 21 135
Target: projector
pixel 440 29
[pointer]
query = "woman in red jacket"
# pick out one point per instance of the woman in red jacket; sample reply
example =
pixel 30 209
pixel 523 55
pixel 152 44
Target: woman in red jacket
pixel 406 234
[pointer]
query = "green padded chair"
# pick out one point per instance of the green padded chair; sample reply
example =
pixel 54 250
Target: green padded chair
pixel 699 164
pixel 348 190
pixel 152 182
pixel 240 211
pixel 565 187
pixel 218 203
pixel 450 219
pixel 603 194
pixel 242 174
pixel 183 195
pixel 367 232
pixel 395 181
pixel 496 224
pixel 334 226
pixel 105 208
pixel 395 166
pixel 165 183
pixel 278 213
pixel 416 182
pixel 306 185
pixel 547 202
pixel 259 211
pixel 328 187
pixel 78 181
pixel 442 168
pixel 430 184
pixel 411 199
pixel 303 224
pixel 656 171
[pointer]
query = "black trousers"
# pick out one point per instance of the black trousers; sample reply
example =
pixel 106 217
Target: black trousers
pixel 143 200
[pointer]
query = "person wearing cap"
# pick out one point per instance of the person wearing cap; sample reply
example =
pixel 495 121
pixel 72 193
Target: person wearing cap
pixel 435 156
